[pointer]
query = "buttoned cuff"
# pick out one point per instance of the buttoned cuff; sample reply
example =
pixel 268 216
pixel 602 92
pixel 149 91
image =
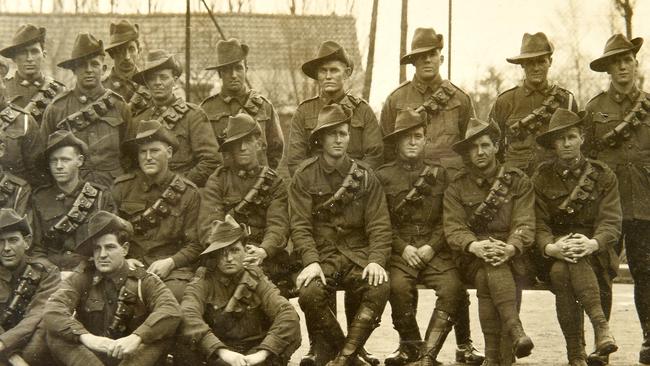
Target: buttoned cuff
pixel 377 258
pixel 273 344
pixel 144 332
pixel 517 244
pixel 399 245
pixel 310 257
pixel 180 260
pixel 210 343
pixel 601 239
pixel 467 243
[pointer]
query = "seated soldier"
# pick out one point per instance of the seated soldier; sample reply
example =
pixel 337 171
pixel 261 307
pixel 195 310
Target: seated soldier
pixel 578 214
pixel 163 208
pixel 414 191
pixel 62 206
pixel 255 196
pixel 123 316
pixel 25 285
pixel 232 312
pixel 489 219
pixel 340 227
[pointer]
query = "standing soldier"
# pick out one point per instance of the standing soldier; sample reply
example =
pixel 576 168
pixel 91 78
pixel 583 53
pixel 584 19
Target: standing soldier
pixel 331 68
pixel 232 312
pixel 414 191
pixel 578 223
pixel 340 228
pixel 523 112
pixel 97 116
pixel 124 49
pixel 29 88
pixel 236 97
pixel 619 136
pixel 162 206
pixel 448 110
pixel 198 152
pixel 489 219
pixel 61 207
pixel 255 195
pixel 107 312
pixel 25 285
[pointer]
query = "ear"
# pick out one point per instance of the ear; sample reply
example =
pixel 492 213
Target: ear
pixel 170 151
pixel 104 68
pixel 28 241
pixel 44 53
pixel 550 60
pixel 442 58
pixel 125 248
pixel 81 160
pixel 348 72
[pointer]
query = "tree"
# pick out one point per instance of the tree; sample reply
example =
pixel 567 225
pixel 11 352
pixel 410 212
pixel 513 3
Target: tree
pixel 402 42
pixel 367 82
pixel 626 9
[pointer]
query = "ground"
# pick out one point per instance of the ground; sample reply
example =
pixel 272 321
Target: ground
pixel 538 317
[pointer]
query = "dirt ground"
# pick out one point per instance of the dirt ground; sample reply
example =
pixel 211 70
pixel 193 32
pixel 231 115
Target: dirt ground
pixel 540 322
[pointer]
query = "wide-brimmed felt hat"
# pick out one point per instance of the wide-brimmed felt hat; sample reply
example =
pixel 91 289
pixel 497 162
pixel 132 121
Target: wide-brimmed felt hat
pixel 406 119
pixel 327 51
pixel 61 138
pixel 424 40
pixel 100 223
pixel 152 130
pixel 223 234
pixel 157 60
pixel 121 33
pixel 561 120
pixel 25 35
pixel 475 129
pixel 239 126
pixel 85 46
pixel 329 116
pixel 615 45
pixel 10 221
pixel 532 45
pixel 229 52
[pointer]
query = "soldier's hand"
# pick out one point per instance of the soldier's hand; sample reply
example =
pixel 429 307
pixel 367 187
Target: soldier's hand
pixel 162 267
pixel 254 255
pixel 309 273
pixel 125 346
pixel 16 360
pixel 232 358
pixel 554 250
pixel 503 253
pixel 482 249
pixel 375 274
pixel 426 253
pixel 410 255
pixel 579 246
pixel 134 263
pixel 96 343
pixel 257 357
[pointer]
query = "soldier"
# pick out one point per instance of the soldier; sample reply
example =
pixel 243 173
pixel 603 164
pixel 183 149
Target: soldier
pixel 124 49
pixel 523 112
pixel 340 228
pixel 420 254
pixel 107 313
pixel 232 313
pixel 162 206
pixel 489 219
pixel 237 97
pixel 331 68
pixel 619 136
pixel 29 88
pixel 447 109
pixel 61 207
pixel 26 284
pixel 255 195
pixel 97 116
pixel 578 222
pixel 198 152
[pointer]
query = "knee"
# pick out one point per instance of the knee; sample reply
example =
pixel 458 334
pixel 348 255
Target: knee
pixel 559 273
pixel 450 295
pixel 313 296
pixel 481 283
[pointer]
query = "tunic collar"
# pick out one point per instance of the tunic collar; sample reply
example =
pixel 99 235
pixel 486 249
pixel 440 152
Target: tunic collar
pixel 564 170
pixel 37 82
pixel 90 95
pixel 241 97
pixel 422 86
pixel 530 89
pixel 411 165
pixel 148 184
pixel 342 168
pixel 620 97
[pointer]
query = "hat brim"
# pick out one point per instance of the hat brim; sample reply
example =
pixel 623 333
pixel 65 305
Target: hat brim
pixel 140 76
pixel 601 63
pixel 462 146
pixel 21 225
pixel 408 58
pixel 122 42
pixel 317 131
pixel 395 134
pixel 520 59
pixel 70 63
pixel 546 139
pixel 244 48
pixel 220 244
pixel 233 139
pixel 310 68
pixel 152 135
pixel 9 51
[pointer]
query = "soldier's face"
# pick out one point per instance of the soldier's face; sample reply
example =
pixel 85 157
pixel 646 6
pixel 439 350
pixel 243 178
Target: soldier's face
pixel 536 69
pixel 108 254
pixel 161 84
pixel 14 245
pixel 482 152
pixel 230 260
pixel 153 157
pixel 567 144
pixel 427 65
pixel 411 143
pixel 331 76
pixel 89 71
pixel 233 77
pixel 334 140
pixel 244 151
pixel 29 60
pixel 126 56
pixel 622 68
pixel 65 163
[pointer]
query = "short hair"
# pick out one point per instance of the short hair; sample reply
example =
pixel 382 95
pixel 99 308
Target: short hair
pixel 122 236
pixel 114 50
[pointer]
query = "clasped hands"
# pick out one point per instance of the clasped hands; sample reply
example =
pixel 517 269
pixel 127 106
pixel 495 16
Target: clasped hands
pixel 493 251
pixel 116 348
pixel 571 247
pixel 417 257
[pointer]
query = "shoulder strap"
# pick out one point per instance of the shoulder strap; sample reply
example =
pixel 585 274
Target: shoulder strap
pixel 632 120
pixel 582 192
pixel 496 197
pixel 89 114
pixel 438 99
pixel 353 183
pixel 421 187
pixel 530 124
pixel 77 215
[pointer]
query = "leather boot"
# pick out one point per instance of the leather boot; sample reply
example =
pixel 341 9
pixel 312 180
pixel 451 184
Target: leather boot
pixel 408 351
pixel 325 338
pixel 605 343
pixel 465 351
pixel 351 305
pixel 595 359
pixel 578 362
pixel 362 326
pixel 522 345
pixel 439 327
pixel 492 349
pixel 644 354
pixel 309 358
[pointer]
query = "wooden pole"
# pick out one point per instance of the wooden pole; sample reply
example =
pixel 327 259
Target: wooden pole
pixel 187 50
pixel 449 45
pixel 402 43
pixel 367 83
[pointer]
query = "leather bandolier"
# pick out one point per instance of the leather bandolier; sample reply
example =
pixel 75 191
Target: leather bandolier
pixel 7 116
pixel 150 218
pixel 140 100
pixel 330 210
pixel 496 197
pixel 438 100
pixel 421 188
pixel 43 97
pixel 174 113
pixel 10 189
pixel 21 296
pixel 582 192
pixel 89 114
pixel 539 117
pixel 129 298
pixel 623 131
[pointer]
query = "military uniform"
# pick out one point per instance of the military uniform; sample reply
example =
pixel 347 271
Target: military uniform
pixel 365 137
pixel 154 315
pixel 164 217
pixel 219 107
pixel 517 103
pixel 103 128
pixel 244 314
pixel 197 155
pixel 137 97
pixel 58 215
pixel 33 95
pixel 15 193
pixel 23 143
pixel 21 333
